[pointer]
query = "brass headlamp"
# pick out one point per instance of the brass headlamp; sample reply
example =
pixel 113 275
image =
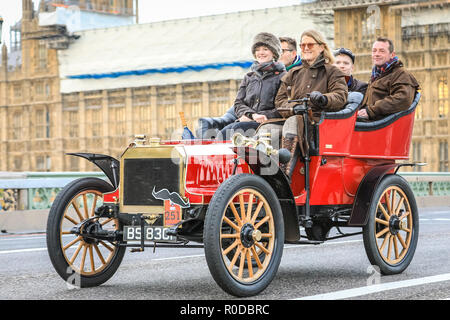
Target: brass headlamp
pixel 261 143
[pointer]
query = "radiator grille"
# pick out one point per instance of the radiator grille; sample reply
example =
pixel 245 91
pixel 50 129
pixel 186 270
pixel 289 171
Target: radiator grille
pixel 142 175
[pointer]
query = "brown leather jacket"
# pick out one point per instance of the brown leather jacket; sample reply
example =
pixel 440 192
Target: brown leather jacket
pixel 322 77
pixel 391 93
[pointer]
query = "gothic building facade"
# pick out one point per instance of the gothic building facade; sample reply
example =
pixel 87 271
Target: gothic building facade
pixel 421 34
pixel 31 121
pixel 91 91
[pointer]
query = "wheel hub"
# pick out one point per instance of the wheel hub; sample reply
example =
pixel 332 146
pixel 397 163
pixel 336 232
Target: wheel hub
pixel 92 231
pixel 395 224
pixel 256 235
pixel 92 228
pixel 249 235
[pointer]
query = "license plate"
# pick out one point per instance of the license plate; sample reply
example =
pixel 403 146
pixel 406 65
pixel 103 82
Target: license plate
pixel 133 233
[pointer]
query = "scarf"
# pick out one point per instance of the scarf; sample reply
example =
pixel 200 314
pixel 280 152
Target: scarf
pixel 265 68
pixel 319 62
pixel 349 80
pixel 297 62
pixel 378 72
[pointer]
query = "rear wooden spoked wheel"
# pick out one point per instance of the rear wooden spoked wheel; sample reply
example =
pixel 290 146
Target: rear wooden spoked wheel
pixel 79 258
pixel 244 235
pixel 393 225
pixel 391 234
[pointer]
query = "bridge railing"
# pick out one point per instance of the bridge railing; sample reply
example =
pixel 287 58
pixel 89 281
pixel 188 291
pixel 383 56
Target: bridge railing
pixel 37 190
pixel 426 184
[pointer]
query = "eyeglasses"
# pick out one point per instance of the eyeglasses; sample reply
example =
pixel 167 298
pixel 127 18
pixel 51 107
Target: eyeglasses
pixel 286 50
pixel 309 45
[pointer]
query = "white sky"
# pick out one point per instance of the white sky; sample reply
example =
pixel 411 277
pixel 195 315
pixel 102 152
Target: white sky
pixel 157 10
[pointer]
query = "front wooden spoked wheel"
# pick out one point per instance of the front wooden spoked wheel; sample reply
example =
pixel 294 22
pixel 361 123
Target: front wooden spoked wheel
pixel 244 235
pixel 86 256
pixel 84 260
pixel 391 234
pixel 248 221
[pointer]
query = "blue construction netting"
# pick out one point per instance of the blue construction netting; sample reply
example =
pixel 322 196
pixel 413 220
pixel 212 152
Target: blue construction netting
pixel 241 64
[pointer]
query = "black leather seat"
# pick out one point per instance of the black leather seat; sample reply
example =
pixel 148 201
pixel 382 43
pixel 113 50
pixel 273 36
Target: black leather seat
pixel 208 127
pixel 378 124
pixel 353 101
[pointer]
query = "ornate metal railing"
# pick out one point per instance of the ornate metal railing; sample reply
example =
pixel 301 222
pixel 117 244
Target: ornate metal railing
pixel 37 190
pixel 429 183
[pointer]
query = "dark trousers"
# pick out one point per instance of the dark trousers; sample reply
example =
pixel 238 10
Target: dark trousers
pixel 247 128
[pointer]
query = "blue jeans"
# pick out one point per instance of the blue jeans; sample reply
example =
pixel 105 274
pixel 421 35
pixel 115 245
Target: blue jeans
pixel 247 128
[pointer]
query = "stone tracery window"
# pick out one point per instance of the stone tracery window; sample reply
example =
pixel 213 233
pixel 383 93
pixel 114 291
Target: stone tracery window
pixel 443 97
pixel 443 156
pixel 17 126
pixel 42 125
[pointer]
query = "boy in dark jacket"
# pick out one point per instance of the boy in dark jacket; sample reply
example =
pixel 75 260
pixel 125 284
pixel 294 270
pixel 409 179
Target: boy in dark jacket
pixel 345 61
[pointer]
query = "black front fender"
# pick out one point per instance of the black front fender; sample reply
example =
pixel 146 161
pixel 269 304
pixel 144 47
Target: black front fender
pixel 109 165
pixel 267 168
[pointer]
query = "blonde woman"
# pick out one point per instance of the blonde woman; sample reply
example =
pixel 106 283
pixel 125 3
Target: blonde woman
pixel 316 76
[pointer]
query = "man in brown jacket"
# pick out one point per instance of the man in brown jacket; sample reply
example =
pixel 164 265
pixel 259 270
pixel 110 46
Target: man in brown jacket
pixel 391 87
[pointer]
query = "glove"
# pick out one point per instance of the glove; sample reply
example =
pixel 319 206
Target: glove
pixel 318 99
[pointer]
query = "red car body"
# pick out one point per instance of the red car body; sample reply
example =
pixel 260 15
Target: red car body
pixel 237 202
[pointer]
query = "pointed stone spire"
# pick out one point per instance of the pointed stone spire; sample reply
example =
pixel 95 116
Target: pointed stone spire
pixel 42 6
pixel 4 56
pixel 27 9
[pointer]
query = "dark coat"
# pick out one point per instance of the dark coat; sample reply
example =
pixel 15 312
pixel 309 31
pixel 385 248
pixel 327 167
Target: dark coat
pixel 391 93
pixel 322 77
pixel 357 86
pixel 257 91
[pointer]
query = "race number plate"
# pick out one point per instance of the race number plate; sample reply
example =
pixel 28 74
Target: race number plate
pixel 133 233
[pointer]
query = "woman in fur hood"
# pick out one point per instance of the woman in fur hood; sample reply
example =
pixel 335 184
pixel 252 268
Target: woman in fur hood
pixel 255 100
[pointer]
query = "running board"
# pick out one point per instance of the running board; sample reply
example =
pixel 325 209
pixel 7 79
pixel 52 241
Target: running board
pixel 304 242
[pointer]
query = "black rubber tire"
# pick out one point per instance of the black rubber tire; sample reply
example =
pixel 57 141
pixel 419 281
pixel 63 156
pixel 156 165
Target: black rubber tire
pixel 388 266
pixel 54 236
pixel 217 208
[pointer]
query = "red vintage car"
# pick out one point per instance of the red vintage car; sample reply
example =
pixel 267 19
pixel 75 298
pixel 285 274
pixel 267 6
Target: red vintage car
pixel 232 199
